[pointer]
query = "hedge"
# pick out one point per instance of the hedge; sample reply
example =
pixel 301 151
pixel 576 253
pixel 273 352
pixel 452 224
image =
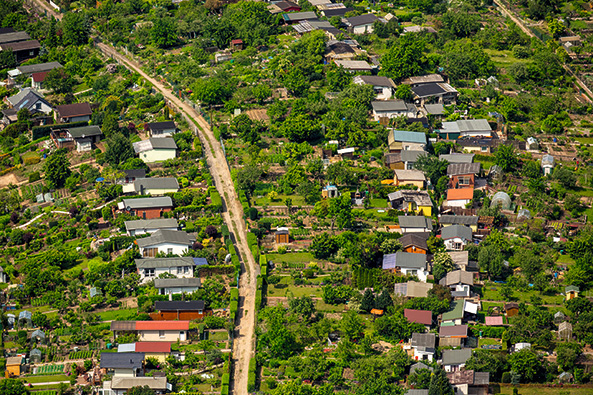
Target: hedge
pixel 215 202
pixel 487 331
pixel 251 378
pixel 258 299
pixel 224 230
pixel 251 240
pixel 234 306
pixel 234 294
pixel 232 249
pixel 44 131
pixel 226 378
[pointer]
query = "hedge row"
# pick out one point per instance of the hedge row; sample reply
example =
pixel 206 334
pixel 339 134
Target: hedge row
pixel 44 131
pixel 234 294
pixel 252 377
pixel 263 265
pixel 224 230
pixel 215 201
pixel 487 331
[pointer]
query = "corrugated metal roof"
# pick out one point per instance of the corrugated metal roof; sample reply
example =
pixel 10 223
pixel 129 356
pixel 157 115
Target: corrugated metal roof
pixel 458 220
pixel 414 221
pixel 166 236
pixel 148 347
pixel 156 223
pixel 149 202
pixel 457 231
pixel 186 305
pixel 456 357
pixel 123 325
pixel 190 282
pixel 456 169
pixel 419 316
pixel 162 325
pixel 404 260
pixel 409 137
pixel 122 360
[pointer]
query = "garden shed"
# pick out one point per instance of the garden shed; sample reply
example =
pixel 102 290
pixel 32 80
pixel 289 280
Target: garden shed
pixel 501 199
pixel 559 317
pixel 35 355
pixel 565 331
pixel 25 318
pixel 38 336
pixel 94 291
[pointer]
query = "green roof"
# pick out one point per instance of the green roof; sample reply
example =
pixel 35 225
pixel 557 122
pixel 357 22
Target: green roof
pixel 571 288
pixel 455 313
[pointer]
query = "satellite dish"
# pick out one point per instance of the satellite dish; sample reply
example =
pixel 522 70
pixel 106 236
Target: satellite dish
pixel 128 208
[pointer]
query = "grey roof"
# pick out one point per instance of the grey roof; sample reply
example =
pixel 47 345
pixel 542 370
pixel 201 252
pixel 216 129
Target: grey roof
pixel 154 126
pixel 163 143
pixel 434 109
pixel 457 158
pixel 35 351
pixel 136 173
pixel 424 79
pixel 166 236
pixel 413 239
pixel 467 125
pixel 151 223
pixel 362 20
pixel 463 168
pixel 25 314
pixel 376 80
pixel 156 183
pixel 455 331
pixel 454 231
pixel 38 333
pixel 411 155
pixel 547 159
pixel 150 202
pixel 299 16
pixel 14 100
pixel 21 45
pixel 421 198
pixel 169 262
pixel 122 360
pixel 457 277
pixel 38 68
pixel 419 365
pixel 459 219
pixel 416 391
pixel 481 378
pixel 409 137
pixel 14 37
pixel 85 131
pixel 389 105
pixel 425 340
pixel 123 382
pixel 179 305
pixel 123 325
pixel 456 357
pixel 404 259
pixel 414 221
pixel 190 282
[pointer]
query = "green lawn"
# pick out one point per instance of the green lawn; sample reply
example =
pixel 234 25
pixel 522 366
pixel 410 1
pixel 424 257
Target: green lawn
pixel 584 140
pixel 565 260
pixel 297 291
pixel 487 341
pixel 379 203
pixel 34 309
pixel 293 257
pixel 322 306
pixel 297 200
pixel 535 389
pixel 46 379
pixel 503 58
pixel 488 293
pixel 218 336
pixel 586 192
pixel 118 315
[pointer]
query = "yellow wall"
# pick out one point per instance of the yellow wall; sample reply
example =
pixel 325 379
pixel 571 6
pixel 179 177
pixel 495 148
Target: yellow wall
pixel 474 227
pixel 159 356
pixel 421 210
pixel 419 183
pixel 13 370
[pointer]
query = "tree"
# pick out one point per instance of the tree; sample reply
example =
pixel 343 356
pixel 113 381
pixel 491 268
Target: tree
pixel 7 59
pixel 491 260
pixel 465 60
pixel 300 128
pixel 110 125
pixel 461 23
pixel 487 361
pixel 340 173
pixel 403 92
pixel 565 177
pixel 245 128
pixel 391 246
pixel 368 301
pixel 140 391
pixel 384 301
pixel 338 78
pixel 567 355
pixel 57 169
pixel 527 363
pixel 439 383
pixel 211 91
pixel 506 158
pixel 352 326
pixel 433 167
pixel 340 211
pixel 163 33
pixel 119 149
pixel 442 264
pixel 303 306
pixel 75 29
pixel 405 58
pixel 323 246
pixel 59 81
pixel 39 319
pixel 248 176
pixel 13 387
pixel 420 379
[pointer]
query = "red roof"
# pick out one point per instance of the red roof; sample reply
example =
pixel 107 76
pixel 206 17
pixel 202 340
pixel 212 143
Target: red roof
pixel 39 77
pixel 162 325
pixel 459 194
pixel 153 347
pixel 494 321
pixel 419 316
pixel 237 41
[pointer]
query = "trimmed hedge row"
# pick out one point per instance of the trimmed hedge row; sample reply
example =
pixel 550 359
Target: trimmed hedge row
pixel 44 131
pixel 487 331
pixel 252 376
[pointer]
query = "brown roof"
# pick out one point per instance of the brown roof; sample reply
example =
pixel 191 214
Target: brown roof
pixel 461 377
pixel 39 77
pixel 22 45
pixel 511 305
pixel 123 325
pixel 419 316
pixel 453 331
pixel 414 239
pixel 74 110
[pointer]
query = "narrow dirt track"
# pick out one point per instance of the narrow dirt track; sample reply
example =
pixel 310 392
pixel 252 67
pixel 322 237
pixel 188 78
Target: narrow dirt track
pixel 243 347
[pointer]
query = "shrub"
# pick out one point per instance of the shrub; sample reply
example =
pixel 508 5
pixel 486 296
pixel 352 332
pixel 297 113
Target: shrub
pixel 35 176
pixel 251 378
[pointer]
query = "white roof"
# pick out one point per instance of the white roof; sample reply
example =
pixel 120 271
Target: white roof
pixel 346 151
pixel 470 307
pixel 354 64
pixel 126 347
